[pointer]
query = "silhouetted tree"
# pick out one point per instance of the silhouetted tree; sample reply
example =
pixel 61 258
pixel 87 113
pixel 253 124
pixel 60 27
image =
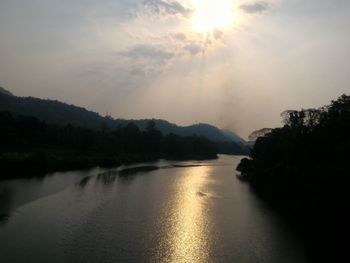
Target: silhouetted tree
pixel 303 167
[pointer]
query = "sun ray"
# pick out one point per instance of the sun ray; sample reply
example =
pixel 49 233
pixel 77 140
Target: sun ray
pixel 210 15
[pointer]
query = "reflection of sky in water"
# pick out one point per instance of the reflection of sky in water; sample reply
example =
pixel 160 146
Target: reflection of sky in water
pixel 178 213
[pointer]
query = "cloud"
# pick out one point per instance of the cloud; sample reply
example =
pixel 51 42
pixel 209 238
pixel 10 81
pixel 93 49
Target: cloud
pixel 255 8
pixel 180 36
pixel 193 49
pixel 162 7
pixel 144 59
pixel 148 52
pixel 217 34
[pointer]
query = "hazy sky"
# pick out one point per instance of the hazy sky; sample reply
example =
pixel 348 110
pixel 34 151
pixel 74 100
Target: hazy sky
pixel 164 59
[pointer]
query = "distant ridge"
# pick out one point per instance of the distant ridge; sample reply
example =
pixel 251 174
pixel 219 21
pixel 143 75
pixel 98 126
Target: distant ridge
pixel 59 113
pixel 6 92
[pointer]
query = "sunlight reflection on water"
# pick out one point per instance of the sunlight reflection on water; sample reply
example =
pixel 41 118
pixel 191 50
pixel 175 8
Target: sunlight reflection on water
pixel 179 212
pixel 186 223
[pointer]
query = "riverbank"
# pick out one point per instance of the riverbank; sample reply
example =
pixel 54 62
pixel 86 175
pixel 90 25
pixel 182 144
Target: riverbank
pixel 22 164
pixel 29 146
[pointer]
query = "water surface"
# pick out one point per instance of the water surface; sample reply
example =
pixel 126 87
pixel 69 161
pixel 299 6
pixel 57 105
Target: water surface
pixel 158 212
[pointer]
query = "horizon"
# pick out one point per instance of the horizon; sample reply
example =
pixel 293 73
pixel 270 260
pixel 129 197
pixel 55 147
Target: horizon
pixel 232 64
pixel 117 118
pixel 174 131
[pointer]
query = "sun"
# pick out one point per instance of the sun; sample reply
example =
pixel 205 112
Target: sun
pixel 210 15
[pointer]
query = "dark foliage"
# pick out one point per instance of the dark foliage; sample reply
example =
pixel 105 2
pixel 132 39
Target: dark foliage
pixel 62 114
pixel 259 133
pixel 304 167
pixel 30 145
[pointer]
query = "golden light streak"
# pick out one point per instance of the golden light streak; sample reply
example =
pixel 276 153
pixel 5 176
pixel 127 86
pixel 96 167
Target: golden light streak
pixel 210 15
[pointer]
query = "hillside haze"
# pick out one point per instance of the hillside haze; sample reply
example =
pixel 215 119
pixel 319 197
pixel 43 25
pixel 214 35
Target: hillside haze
pixel 59 113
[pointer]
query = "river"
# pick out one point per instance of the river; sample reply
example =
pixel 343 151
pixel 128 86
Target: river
pixel 167 211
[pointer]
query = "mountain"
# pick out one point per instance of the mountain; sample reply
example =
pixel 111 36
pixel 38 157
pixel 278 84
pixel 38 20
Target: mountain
pixel 4 91
pixel 234 137
pixel 201 129
pixel 59 113
pixel 50 111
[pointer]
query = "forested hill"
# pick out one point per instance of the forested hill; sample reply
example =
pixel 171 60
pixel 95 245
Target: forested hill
pixel 50 111
pixel 4 91
pixel 303 169
pixel 59 113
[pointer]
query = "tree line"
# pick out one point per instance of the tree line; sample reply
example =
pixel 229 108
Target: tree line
pixel 303 168
pixel 28 144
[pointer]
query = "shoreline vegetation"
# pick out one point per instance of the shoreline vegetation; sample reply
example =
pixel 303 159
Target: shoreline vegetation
pixel 303 171
pixel 30 147
pixel 39 163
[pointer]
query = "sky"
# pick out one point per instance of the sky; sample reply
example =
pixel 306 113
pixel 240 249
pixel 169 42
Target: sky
pixel 236 64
